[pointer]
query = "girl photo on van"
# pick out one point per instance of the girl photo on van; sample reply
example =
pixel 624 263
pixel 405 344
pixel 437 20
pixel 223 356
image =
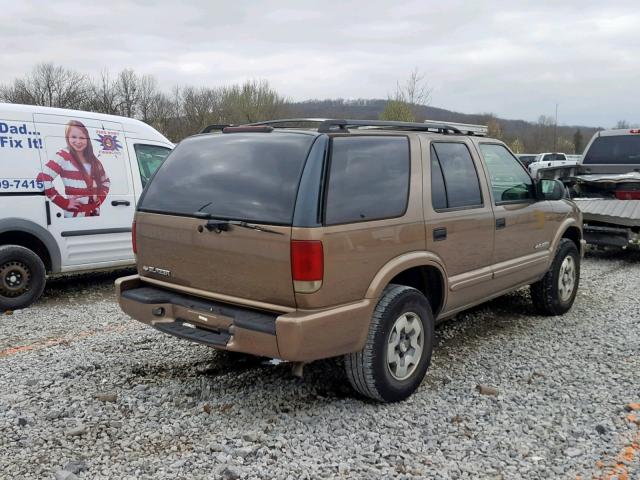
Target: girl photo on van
pixel 86 184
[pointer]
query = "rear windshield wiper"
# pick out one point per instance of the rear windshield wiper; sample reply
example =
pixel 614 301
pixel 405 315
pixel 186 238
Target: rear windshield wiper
pixel 223 225
pixel 251 226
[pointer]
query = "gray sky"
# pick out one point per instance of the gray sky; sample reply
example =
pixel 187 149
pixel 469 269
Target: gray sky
pixel 515 59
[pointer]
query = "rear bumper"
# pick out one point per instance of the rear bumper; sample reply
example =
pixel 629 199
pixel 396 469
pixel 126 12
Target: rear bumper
pixel 302 335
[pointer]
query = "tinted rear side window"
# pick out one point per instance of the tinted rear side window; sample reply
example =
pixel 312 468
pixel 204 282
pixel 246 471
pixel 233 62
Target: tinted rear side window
pixel 460 176
pixel 438 190
pixel 368 179
pixel 621 149
pixel 239 176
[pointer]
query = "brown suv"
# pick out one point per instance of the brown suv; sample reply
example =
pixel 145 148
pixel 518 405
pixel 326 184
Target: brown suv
pixel 353 238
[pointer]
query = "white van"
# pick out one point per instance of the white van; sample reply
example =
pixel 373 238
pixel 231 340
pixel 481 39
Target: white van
pixel 69 182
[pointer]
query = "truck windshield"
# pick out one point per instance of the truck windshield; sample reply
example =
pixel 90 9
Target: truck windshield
pixel 241 176
pixel 618 149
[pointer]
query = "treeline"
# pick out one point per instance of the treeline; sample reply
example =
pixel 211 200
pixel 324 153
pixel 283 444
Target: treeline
pixel 183 111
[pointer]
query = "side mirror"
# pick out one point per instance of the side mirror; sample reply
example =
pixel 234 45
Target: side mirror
pixel 548 189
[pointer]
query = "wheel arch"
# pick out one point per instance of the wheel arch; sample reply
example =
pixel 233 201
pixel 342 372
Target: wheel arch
pixel 420 270
pixel 18 231
pixel 571 230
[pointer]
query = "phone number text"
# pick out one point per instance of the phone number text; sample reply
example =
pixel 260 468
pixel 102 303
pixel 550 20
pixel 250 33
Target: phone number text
pixel 20 184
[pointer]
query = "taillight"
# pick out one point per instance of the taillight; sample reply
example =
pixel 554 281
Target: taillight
pixel 307 265
pixel 628 195
pixel 635 130
pixel 133 237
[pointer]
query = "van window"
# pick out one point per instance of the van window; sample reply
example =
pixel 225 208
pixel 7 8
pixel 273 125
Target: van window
pixel 510 182
pixel 618 149
pixel 149 157
pixel 459 176
pixel 238 176
pixel 368 179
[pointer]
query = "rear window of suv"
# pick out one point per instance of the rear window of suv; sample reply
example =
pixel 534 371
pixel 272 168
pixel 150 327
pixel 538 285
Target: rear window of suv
pixel 239 176
pixel 618 149
pixel 368 179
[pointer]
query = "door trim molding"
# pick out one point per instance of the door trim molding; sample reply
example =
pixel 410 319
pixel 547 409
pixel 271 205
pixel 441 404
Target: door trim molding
pixel 101 231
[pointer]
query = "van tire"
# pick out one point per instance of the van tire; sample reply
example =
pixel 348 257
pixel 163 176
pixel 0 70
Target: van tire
pixel 22 277
pixel 369 370
pixel 546 294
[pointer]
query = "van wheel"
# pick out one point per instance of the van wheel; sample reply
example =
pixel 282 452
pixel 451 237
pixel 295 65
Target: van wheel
pixel 22 277
pixel 398 350
pixel 556 292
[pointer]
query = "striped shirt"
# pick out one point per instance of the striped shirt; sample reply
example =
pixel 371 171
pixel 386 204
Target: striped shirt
pixel 78 184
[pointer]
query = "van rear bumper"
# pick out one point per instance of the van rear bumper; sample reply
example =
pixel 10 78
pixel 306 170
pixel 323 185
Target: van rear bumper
pixel 301 335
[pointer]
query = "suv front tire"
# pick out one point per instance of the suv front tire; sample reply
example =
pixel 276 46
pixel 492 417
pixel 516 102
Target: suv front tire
pixel 398 350
pixel 556 292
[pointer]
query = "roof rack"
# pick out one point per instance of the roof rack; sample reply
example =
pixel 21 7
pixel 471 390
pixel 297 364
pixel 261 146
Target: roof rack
pixel 282 122
pixel 215 127
pixel 466 128
pixel 327 125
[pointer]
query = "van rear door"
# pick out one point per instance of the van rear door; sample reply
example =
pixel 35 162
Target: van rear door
pixel 87 237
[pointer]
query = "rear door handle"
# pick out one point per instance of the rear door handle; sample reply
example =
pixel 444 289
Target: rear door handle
pixel 115 203
pixel 439 234
pixel 500 223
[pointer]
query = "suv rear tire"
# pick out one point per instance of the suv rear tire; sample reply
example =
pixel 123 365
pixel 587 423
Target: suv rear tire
pixel 22 277
pixel 398 350
pixel 556 292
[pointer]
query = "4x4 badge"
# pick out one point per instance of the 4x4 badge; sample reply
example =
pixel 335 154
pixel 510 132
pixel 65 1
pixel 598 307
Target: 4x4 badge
pixel 541 245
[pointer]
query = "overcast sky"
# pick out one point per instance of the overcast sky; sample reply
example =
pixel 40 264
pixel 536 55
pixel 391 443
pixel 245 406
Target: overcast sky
pixel 515 59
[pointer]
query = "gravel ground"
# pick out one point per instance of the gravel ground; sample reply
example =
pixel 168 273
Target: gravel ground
pixel 86 392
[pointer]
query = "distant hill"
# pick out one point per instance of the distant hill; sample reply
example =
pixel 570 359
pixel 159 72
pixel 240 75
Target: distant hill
pixel 531 137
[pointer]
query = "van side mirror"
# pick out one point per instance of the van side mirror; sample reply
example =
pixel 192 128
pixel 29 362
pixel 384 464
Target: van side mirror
pixel 548 189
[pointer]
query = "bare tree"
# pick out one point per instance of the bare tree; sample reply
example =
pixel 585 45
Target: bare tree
pixel 397 110
pixel 128 90
pixel 577 141
pixel 48 85
pixel 405 103
pixel 543 134
pixel 201 107
pixel 622 124
pixel 161 116
pixel 516 146
pixel 148 91
pixel 494 129
pixel 252 101
pixel 104 96
pixel 415 90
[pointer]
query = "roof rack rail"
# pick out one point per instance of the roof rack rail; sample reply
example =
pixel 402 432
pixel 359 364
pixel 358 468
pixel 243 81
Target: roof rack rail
pixel 215 127
pixel 468 128
pixel 281 123
pixel 328 125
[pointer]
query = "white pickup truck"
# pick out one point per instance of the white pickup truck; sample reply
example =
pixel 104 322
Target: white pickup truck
pixel 548 160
